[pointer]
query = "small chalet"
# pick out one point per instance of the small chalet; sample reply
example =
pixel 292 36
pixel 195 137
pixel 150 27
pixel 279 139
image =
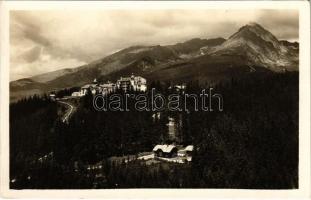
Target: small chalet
pixel 178 88
pixel 52 96
pixel 187 151
pixel 76 94
pixel 166 151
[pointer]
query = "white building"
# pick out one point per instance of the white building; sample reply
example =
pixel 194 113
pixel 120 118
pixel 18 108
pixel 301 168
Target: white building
pixel 186 152
pixel 52 96
pixel 178 88
pixel 96 88
pixel 166 151
pixel 107 88
pixel 93 88
pixel 135 83
pixel 76 94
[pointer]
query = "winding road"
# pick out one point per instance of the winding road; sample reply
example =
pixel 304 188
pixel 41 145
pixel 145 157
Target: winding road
pixel 69 111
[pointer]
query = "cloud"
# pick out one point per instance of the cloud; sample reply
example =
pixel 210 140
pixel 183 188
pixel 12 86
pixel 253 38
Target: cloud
pixel 32 55
pixel 43 41
pixel 27 28
pixel 283 24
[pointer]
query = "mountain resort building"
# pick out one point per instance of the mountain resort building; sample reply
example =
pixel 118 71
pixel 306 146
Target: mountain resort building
pixel 108 88
pixel 52 96
pixel 135 83
pixel 131 83
pixel 186 152
pixel 165 151
pixel 93 88
pixel 173 153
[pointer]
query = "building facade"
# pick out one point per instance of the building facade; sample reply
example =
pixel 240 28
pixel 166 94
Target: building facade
pixel 134 83
pixel 107 88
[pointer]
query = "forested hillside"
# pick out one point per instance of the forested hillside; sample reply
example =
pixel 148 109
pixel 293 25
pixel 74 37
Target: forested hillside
pixel 252 143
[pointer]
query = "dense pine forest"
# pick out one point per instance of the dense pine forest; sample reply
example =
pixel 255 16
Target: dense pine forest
pixel 252 143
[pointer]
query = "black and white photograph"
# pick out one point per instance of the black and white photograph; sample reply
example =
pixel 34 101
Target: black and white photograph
pixel 179 98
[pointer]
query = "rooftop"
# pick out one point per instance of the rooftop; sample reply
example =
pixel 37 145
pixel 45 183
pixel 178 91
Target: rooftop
pixel 165 148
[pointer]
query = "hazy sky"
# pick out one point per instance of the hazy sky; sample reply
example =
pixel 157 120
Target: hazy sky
pixel 43 41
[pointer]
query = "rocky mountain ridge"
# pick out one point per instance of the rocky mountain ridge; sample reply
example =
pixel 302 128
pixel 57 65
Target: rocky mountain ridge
pixel 251 47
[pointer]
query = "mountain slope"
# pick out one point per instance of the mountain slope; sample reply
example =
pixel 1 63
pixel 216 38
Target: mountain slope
pixel 260 48
pixel 194 46
pixel 42 78
pixel 144 58
pixel 251 48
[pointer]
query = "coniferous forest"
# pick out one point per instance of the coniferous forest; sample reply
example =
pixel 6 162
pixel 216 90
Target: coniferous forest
pixel 252 143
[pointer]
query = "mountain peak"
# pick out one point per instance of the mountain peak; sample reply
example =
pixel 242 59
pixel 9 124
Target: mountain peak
pixel 251 27
pixel 253 24
pixel 255 30
pixel 260 47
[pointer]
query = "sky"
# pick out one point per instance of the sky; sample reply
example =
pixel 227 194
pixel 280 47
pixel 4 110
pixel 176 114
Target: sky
pixel 44 41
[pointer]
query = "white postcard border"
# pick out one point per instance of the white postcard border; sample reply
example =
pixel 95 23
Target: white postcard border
pixel 304 98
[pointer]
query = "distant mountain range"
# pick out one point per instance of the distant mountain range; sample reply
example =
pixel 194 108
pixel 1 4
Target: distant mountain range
pixel 252 48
